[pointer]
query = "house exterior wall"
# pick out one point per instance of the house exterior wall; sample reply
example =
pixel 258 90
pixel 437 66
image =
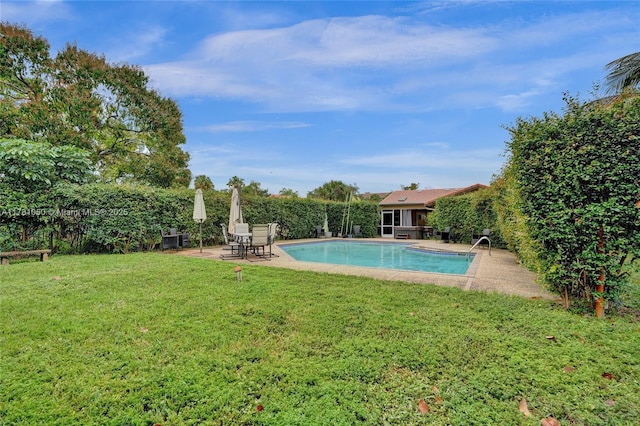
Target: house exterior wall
pixel 399 206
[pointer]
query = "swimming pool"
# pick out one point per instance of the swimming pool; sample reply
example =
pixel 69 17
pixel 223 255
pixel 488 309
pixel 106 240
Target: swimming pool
pixel 378 255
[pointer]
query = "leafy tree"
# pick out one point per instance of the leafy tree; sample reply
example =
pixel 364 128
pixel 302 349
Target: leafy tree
pixel 236 182
pixel 254 188
pixel 373 198
pixel 79 99
pixel 577 177
pixel 413 186
pixel 624 72
pixel 33 166
pixel 203 182
pixel 333 190
pixel 288 192
pixel 28 170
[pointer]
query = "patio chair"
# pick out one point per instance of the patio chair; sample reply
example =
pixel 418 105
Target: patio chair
pixel 357 231
pixel 185 241
pixel 476 237
pixel 242 228
pixel 319 232
pixel 443 235
pixel 259 240
pixel 170 239
pixel 234 246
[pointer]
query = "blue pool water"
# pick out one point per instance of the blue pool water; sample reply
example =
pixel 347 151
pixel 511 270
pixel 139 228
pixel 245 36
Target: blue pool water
pixel 378 255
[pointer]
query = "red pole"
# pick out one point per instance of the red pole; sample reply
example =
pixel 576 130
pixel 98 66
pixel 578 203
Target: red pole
pixel 600 286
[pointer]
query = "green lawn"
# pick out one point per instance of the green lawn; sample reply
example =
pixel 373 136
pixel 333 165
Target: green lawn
pixel 150 339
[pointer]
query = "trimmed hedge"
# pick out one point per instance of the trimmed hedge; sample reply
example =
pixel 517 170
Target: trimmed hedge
pixel 468 214
pixel 122 218
pixel 578 180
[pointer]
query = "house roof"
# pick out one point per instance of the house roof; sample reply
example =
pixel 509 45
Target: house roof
pixel 425 197
pixel 368 195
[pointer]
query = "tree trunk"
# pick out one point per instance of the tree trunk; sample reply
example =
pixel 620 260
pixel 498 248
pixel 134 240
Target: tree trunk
pixel 600 286
pixel 565 298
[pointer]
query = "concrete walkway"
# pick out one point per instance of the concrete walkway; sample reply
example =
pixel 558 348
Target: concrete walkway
pixel 499 272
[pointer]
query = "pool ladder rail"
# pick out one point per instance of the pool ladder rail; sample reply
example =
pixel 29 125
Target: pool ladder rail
pixel 478 242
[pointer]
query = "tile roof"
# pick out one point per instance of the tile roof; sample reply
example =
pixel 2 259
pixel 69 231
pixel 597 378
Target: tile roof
pixel 425 197
pixel 368 195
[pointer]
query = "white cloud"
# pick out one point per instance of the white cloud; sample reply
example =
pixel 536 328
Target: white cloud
pixel 430 165
pixel 379 63
pixel 233 18
pixel 35 13
pixel 555 30
pixel 378 41
pixel 195 79
pixel 435 157
pixel 252 126
pixel 135 44
pixel 515 102
pixel 296 67
pixel 366 41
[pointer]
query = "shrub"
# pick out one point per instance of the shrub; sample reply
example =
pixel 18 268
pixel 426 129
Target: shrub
pixel 468 214
pixel 124 218
pixel 577 177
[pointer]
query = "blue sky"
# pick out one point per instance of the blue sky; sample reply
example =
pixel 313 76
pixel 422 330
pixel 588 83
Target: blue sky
pixel 378 94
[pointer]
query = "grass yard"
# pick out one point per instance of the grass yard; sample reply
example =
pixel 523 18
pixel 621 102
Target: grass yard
pixel 146 339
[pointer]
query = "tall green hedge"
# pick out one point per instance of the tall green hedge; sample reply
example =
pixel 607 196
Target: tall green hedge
pixel 577 177
pixel 467 215
pixel 123 218
pixel 512 221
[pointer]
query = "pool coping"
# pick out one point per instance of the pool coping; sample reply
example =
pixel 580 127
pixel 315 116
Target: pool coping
pixel 499 272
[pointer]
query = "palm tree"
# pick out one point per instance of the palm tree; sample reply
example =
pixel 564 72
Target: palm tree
pixel 335 190
pixel 235 182
pixel 623 73
pixel 288 192
pixel 203 182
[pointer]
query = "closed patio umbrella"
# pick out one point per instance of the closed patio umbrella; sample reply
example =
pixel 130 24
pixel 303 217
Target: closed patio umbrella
pixel 199 212
pixel 326 225
pixel 235 212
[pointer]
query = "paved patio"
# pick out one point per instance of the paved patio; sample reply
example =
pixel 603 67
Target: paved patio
pixel 499 272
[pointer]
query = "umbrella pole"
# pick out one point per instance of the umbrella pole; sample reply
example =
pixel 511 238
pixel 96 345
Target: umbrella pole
pixel 200 236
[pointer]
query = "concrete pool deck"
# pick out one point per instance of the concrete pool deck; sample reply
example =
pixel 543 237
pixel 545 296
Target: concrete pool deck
pixel 499 272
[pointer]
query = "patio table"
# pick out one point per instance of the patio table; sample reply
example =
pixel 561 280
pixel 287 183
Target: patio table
pixel 244 238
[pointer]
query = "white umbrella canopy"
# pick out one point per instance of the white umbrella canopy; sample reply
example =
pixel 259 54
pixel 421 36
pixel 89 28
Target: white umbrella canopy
pixel 199 212
pixel 235 212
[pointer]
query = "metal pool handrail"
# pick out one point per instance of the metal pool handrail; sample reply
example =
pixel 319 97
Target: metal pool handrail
pixel 478 242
